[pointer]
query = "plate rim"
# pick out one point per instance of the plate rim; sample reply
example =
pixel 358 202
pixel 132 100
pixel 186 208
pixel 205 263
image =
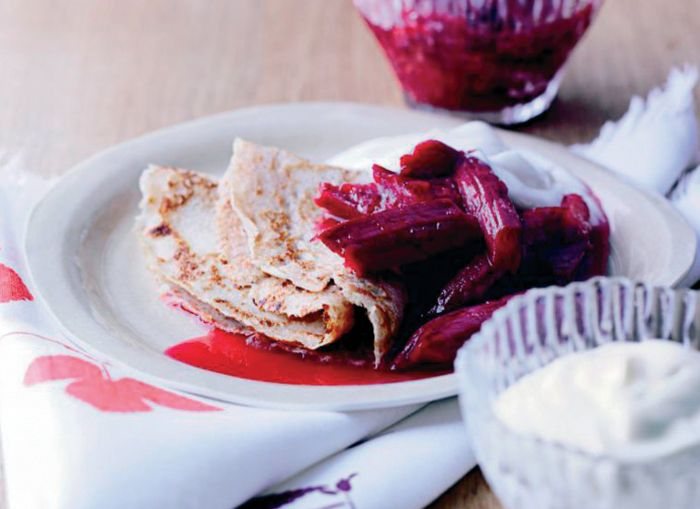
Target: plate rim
pixel 682 226
pixel 315 397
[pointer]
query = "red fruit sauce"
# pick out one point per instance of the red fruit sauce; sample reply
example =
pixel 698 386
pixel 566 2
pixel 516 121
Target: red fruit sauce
pixel 479 58
pixel 267 361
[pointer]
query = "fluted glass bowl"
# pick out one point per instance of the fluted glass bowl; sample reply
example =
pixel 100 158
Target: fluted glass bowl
pixel 496 60
pixel 531 331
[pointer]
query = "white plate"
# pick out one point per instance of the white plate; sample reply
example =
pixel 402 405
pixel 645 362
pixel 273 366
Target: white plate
pixel 87 265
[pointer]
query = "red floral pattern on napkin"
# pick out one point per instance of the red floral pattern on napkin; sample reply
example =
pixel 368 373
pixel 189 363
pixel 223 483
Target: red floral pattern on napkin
pixel 93 384
pixel 11 286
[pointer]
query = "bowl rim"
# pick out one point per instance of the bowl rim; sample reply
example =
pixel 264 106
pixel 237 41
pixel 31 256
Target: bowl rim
pixel 486 412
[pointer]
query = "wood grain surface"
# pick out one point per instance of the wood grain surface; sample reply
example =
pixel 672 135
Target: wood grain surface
pixel 81 75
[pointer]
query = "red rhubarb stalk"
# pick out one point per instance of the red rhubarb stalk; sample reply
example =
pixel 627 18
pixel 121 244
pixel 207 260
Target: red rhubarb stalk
pixel 468 286
pixel 486 197
pixel 396 237
pixel 436 343
pixel 430 159
pixel 389 190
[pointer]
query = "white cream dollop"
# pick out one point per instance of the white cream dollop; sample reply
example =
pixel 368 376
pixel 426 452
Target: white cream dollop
pixel 531 180
pixel 626 400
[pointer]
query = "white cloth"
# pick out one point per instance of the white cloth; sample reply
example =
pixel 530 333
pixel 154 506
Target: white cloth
pixel 656 140
pixel 398 461
pixel 80 433
pixel 654 143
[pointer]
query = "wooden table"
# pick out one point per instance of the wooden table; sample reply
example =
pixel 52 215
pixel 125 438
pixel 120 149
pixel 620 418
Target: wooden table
pixel 80 75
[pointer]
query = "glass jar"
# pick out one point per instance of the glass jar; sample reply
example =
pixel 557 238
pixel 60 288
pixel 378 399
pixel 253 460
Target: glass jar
pixel 534 329
pixel 496 60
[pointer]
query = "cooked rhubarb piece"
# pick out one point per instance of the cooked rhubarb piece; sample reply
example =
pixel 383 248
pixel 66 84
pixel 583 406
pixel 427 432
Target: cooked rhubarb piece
pixel 406 191
pixel 556 240
pixel 596 263
pixel 596 259
pixel 347 201
pixel 395 237
pixel 563 260
pixel 468 286
pixel 429 159
pixel 425 279
pixel 577 210
pixel 436 343
pixel 486 196
pixel 324 223
pixel 568 222
pixel 390 190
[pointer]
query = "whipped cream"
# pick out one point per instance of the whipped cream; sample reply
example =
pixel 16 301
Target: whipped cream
pixel 625 400
pixel 532 181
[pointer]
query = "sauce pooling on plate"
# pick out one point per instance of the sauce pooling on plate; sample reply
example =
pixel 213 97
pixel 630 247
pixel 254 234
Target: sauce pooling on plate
pixel 256 359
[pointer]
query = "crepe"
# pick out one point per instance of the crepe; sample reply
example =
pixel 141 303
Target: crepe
pixel 182 243
pixel 241 254
pixel 273 196
pixel 204 312
pixel 272 193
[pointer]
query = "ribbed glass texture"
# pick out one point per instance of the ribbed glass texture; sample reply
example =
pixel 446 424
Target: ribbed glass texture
pixel 499 60
pixel 530 332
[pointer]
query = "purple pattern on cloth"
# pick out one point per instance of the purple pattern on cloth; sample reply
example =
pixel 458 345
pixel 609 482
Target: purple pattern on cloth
pixel 342 488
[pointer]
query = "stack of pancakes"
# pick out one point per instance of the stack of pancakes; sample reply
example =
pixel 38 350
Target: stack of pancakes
pixel 241 251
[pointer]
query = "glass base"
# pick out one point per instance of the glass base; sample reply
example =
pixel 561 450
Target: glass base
pixel 509 115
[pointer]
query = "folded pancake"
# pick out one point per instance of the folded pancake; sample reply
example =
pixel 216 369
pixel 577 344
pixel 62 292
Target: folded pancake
pixel 269 293
pixel 204 312
pixel 180 237
pixel 272 193
pixel 273 196
pixel 383 300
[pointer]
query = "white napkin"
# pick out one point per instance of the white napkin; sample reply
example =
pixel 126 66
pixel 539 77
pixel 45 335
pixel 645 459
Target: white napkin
pixel 656 140
pixel 78 432
pixel 654 143
pixel 399 461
